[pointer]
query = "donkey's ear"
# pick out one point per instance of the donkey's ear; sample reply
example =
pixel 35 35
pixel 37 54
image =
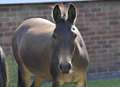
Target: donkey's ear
pixel 71 14
pixel 56 13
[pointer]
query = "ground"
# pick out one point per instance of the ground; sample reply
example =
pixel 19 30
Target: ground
pixel 12 73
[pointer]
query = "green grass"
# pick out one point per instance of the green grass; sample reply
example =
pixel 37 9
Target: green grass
pixel 11 71
pixel 104 83
pixel 12 76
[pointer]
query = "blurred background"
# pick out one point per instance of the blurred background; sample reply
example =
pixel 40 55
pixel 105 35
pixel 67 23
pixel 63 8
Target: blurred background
pixel 98 22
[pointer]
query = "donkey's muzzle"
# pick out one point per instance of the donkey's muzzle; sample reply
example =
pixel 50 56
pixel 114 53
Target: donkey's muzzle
pixel 65 68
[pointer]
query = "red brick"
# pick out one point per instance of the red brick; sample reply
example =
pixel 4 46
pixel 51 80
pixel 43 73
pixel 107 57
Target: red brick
pixel 103 14
pixel 4 29
pixel 99 27
pixel 4 9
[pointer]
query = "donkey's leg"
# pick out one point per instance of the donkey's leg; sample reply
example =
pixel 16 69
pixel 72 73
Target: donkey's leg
pixel 81 84
pixel 55 80
pixel 55 83
pixel 24 77
pixel 20 79
pixel 27 76
pixel 82 79
pixel 37 81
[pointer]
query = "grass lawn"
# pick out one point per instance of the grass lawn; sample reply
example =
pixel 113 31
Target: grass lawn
pixel 12 76
pixel 104 83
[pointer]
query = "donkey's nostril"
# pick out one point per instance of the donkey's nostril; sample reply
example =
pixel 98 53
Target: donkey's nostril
pixel 65 67
pixel 61 66
pixel 68 66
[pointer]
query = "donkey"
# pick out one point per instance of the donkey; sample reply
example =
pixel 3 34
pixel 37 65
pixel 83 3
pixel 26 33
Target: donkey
pixel 48 51
pixel 3 77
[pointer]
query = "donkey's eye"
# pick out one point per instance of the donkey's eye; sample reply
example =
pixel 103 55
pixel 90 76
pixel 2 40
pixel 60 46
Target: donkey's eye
pixel 73 29
pixel 54 36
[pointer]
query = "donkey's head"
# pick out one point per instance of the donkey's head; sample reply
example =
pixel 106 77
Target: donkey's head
pixel 64 38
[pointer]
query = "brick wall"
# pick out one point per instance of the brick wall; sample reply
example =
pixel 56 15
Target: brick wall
pixel 99 23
